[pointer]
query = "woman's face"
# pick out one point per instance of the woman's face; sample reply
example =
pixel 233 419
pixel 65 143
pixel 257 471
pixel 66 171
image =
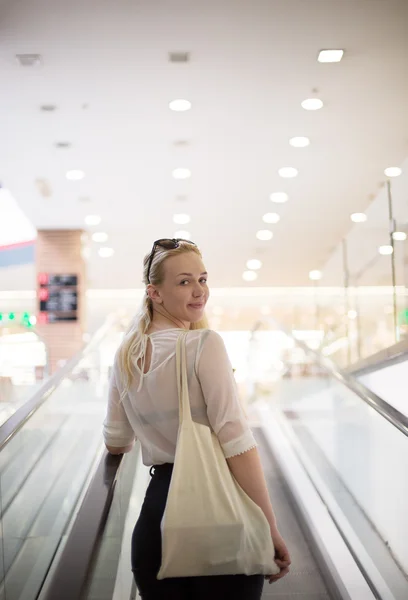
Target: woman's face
pixel 184 291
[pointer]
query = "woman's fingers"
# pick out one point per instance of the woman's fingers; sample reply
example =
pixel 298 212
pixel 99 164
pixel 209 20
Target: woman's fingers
pixel 282 573
pixel 282 564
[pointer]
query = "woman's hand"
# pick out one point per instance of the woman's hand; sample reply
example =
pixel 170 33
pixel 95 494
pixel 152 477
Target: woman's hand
pixel 282 558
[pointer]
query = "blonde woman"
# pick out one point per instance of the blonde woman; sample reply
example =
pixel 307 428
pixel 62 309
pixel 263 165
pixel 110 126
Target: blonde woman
pixel 143 405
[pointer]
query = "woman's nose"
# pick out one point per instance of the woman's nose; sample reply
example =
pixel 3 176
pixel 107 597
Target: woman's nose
pixel 198 291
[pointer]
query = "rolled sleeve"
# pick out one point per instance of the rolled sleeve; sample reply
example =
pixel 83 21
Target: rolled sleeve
pixel 117 431
pixel 224 409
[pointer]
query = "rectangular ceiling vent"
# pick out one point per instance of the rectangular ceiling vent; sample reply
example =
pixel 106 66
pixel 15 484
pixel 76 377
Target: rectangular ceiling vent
pixel 179 57
pixel 29 60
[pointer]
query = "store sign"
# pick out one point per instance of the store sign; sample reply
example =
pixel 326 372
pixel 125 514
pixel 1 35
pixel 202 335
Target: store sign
pixel 58 298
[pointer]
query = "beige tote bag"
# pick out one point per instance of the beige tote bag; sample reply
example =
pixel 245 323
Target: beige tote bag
pixel 210 525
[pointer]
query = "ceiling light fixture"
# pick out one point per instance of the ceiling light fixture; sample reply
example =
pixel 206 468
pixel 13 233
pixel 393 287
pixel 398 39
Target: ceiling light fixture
pixel 181 219
pixel 264 235
pixel 180 105
pixel 92 219
pixel 99 236
pixel 312 104
pixel 184 235
pixel 279 197
pixel 386 250
pixel 181 173
pixel 315 275
pixel 288 172
pixel 330 56
pixel 254 264
pixel 75 175
pixel 299 142
pixel 271 218
pixel 249 275
pixel 399 236
pixel 393 171
pixel 106 252
pixel 358 217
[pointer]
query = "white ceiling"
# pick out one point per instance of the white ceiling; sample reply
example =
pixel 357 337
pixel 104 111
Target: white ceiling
pixel 105 67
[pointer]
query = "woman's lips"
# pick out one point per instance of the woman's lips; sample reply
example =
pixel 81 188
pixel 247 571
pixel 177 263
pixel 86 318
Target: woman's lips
pixel 199 305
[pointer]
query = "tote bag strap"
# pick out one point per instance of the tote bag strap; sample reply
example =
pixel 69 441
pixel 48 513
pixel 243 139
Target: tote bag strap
pixel 182 379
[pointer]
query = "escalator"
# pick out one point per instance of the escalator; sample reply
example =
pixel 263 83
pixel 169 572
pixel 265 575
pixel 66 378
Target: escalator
pixel 69 508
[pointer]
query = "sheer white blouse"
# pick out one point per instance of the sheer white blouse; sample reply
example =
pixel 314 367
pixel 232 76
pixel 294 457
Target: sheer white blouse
pixel 149 411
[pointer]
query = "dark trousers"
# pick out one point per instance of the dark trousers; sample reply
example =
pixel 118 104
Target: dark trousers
pixel 146 557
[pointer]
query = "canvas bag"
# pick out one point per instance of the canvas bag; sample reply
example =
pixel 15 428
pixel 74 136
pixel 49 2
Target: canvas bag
pixel 210 525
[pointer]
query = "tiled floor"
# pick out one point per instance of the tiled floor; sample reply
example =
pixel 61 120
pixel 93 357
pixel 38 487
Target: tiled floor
pixel 304 581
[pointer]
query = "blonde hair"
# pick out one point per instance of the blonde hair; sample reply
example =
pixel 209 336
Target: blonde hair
pixel 132 344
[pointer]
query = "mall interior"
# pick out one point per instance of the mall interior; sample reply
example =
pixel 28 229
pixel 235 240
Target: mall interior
pixel 273 134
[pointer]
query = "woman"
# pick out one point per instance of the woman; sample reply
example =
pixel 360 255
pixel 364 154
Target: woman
pixel 143 404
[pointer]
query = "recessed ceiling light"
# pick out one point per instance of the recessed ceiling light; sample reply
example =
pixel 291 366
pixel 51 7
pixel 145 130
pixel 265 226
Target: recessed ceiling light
pixel 358 217
pixel 315 275
pixel 75 175
pixel 299 142
pixel 386 250
pixel 330 56
pixel 399 236
pixel 279 197
pixel 264 235
pixel 63 145
pixel 99 236
pixel 181 219
pixel 288 172
pixel 180 105
pixel 181 173
pixel 254 264
pixel 393 171
pixel 249 275
pixel 184 235
pixel 106 252
pixel 93 219
pixel 312 104
pixel 271 218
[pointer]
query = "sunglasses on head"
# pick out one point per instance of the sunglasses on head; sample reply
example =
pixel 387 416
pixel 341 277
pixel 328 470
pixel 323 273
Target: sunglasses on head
pixel 167 244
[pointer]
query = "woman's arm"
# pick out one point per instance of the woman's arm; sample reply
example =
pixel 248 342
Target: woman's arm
pixel 113 450
pixel 118 434
pixel 247 470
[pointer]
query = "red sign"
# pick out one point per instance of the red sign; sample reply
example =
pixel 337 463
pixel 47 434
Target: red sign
pixel 42 278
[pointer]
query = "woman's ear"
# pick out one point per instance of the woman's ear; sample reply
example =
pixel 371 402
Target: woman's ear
pixel 154 294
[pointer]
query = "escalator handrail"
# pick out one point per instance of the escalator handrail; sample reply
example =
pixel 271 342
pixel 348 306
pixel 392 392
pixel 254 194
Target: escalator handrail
pixel 71 573
pixel 22 414
pixel 394 416
pixel 381 360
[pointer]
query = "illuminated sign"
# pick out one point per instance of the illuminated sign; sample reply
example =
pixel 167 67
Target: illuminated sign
pixel 57 298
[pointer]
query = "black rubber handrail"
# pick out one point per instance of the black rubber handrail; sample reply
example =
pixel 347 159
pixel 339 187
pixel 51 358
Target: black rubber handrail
pixel 70 576
pixel 22 414
pixel 394 416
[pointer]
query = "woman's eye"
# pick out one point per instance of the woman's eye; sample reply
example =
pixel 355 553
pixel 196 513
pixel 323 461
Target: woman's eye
pixel 203 280
pixel 184 281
